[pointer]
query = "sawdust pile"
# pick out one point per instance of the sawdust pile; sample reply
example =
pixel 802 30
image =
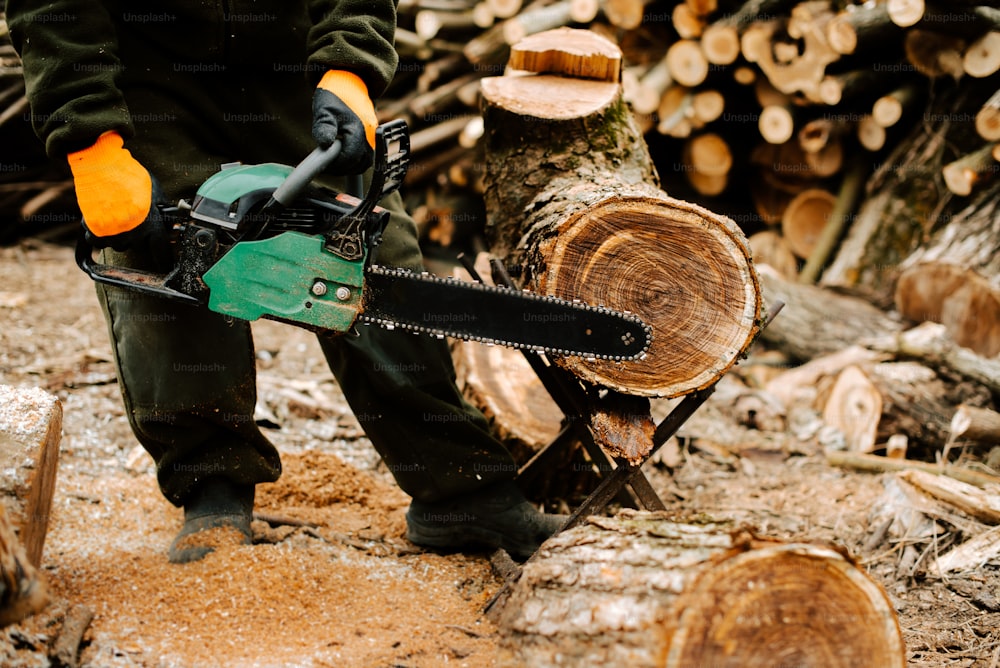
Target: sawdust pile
pixel 316 595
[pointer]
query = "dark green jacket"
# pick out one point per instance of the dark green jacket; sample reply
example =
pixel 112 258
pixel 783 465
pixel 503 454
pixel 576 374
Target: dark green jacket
pixel 78 54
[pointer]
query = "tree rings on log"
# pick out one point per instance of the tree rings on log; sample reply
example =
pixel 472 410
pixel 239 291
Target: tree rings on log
pixel 642 590
pixel 669 263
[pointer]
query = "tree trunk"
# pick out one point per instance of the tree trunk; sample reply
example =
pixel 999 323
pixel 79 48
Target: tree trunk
pixel 642 590
pixel 575 210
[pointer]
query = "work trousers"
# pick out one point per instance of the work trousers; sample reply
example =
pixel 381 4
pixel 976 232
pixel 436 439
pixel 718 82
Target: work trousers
pixel 187 375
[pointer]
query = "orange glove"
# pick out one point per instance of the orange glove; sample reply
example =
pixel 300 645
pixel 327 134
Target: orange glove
pixel 342 110
pixel 116 194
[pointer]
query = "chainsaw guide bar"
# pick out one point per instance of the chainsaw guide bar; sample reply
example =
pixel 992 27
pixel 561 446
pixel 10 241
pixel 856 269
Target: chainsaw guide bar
pixel 428 304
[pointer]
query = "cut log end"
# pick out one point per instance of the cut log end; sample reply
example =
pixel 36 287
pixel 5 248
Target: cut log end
pixel 569 52
pixel 548 96
pixel 736 605
pixel 681 269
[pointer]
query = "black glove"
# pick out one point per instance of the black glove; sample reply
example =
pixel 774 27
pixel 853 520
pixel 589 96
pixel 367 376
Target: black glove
pixel 342 110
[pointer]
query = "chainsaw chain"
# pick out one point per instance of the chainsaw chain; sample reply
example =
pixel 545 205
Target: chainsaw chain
pixel 441 333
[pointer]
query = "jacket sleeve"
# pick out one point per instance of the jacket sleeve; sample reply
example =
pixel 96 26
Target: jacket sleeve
pixel 355 36
pixel 69 52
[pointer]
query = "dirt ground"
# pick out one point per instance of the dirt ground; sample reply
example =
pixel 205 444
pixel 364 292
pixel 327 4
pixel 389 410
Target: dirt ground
pixel 340 585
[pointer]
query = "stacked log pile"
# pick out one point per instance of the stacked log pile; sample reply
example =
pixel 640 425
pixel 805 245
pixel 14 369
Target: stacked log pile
pixel 854 145
pixel 752 108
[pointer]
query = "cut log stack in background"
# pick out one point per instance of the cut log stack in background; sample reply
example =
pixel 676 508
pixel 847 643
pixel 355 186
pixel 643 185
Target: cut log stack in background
pixel 772 111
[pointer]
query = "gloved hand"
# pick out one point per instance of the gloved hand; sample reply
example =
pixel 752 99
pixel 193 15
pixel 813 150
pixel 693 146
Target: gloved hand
pixel 342 110
pixel 117 196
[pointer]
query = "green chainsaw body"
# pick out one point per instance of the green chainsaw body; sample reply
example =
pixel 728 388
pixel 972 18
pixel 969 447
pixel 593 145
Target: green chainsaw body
pixel 289 277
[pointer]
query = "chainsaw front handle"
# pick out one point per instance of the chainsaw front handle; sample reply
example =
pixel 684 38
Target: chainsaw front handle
pixel 312 166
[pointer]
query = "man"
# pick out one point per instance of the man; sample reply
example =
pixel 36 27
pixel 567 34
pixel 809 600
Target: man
pixel 147 100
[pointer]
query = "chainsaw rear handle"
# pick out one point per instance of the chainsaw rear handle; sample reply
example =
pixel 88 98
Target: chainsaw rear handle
pixel 125 277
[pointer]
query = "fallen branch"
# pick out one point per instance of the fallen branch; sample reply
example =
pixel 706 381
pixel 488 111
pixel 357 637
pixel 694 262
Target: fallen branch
pixel 879 464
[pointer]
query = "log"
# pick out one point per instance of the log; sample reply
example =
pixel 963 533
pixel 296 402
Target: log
pixel 804 219
pixel 707 161
pixel 687 63
pixel 575 210
pixel 962 175
pixel 641 590
pixel 652 85
pixel 931 344
pixel 816 321
pixel 958 298
pixel 721 39
pixel 878 464
pixel 574 53
pixel 676 111
pixel 855 408
pixel 625 14
pixel 889 108
pixel 934 54
pixel 975 424
pixel 500 382
pixel 829 236
pixel 804 71
pixel 66 650
pixel 871 135
pixel 772 249
pixel 919 402
pixel 905 13
pixel 30 432
pixel 988 118
pixel 688 24
pixel 982 58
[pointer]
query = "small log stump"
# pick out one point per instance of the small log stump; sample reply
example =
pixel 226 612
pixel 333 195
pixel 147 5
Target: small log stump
pixel 30 432
pixel 642 590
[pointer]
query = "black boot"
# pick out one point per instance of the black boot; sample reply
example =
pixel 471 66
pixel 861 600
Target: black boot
pixel 497 517
pixel 218 513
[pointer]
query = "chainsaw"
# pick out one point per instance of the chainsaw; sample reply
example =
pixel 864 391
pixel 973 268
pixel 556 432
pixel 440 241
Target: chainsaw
pixel 264 241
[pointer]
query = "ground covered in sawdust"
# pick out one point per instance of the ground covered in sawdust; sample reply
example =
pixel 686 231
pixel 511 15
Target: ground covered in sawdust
pixel 331 579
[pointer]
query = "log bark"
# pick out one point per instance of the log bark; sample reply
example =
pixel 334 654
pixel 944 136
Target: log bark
pixel 23 591
pixel 642 590
pixel 931 344
pixel 575 210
